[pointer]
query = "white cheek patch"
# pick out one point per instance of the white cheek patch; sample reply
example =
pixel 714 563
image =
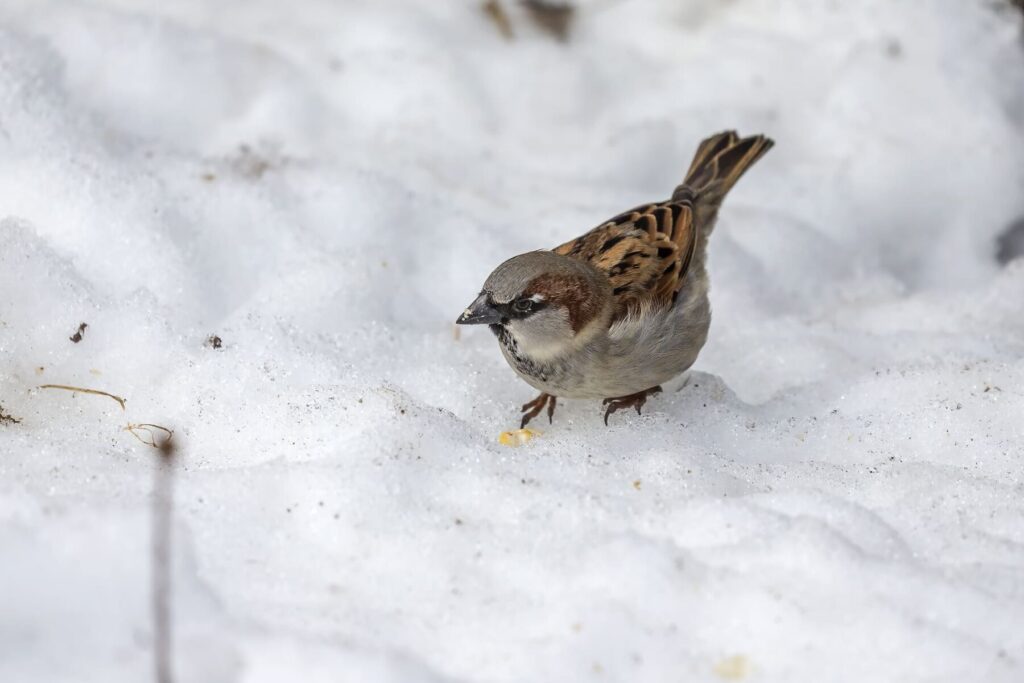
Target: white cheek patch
pixel 545 335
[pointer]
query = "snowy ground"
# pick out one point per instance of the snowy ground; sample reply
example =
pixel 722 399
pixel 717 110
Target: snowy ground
pixel 836 495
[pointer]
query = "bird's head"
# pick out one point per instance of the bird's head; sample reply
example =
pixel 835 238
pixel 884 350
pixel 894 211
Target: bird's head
pixel 547 302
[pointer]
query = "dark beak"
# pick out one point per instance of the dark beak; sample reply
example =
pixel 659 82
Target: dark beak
pixel 480 312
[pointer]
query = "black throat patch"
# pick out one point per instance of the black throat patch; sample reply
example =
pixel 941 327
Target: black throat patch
pixel 522 362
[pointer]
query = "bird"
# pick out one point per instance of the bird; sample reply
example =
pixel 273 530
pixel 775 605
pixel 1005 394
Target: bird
pixel 618 311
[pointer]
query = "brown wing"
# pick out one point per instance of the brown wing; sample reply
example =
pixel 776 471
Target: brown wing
pixel 645 252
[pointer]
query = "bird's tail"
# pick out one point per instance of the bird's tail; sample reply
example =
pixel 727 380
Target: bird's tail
pixel 719 162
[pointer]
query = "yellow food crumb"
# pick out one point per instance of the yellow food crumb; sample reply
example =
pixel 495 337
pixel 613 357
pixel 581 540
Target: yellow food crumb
pixel 733 668
pixel 516 437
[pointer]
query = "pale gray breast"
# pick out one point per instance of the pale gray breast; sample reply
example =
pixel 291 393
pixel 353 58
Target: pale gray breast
pixel 633 356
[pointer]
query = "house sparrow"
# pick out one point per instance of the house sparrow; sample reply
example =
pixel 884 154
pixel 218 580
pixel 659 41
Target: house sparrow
pixel 617 311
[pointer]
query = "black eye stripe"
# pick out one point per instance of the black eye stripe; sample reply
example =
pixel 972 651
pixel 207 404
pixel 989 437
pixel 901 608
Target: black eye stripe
pixel 510 312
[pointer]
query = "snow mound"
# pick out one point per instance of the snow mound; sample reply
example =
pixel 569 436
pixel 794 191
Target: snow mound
pixel 269 218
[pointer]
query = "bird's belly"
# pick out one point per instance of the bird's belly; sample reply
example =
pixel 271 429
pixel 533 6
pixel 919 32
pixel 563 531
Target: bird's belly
pixel 654 352
pixel 604 376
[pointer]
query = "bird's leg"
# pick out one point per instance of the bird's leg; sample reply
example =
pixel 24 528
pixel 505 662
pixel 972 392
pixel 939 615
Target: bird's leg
pixel 636 400
pixel 533 408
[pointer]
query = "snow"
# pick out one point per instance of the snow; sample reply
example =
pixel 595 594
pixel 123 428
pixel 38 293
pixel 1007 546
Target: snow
pixel 835 494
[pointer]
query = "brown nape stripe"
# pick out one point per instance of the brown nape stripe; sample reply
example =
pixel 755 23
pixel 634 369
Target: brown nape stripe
pixel 569 291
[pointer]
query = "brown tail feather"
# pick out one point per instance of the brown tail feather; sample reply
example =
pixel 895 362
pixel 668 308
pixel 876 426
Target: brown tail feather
pixel 718 164
pixel 720 161
pixel 709 149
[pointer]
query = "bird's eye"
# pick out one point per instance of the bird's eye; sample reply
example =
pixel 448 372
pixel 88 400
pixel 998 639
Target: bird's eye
pixel 522 305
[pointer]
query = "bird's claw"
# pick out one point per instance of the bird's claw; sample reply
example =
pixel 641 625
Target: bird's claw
pixel 533 408
pixel 636 400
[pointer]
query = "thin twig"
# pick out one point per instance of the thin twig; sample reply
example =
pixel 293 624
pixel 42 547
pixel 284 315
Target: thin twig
pixel 96 392
pixel 163 506
pixel 147 429
pixel 143 431
pixel 163 503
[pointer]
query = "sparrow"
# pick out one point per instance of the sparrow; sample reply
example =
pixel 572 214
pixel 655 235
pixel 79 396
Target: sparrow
pixel 623 308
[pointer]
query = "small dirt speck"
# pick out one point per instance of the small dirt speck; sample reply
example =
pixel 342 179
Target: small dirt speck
pixel 7 419
pixel 552 17
pixel 494 11
pixel 77 336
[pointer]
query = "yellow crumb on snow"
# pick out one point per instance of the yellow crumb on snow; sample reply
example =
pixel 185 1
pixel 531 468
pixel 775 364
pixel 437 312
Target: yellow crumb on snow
pixel 516 437
pixel 733 668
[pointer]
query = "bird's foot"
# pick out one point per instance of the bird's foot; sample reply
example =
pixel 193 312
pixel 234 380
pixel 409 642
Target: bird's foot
pixel 636 400
pixel 533 408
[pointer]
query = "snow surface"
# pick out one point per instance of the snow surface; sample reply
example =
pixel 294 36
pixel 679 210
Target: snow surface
pixel 836 494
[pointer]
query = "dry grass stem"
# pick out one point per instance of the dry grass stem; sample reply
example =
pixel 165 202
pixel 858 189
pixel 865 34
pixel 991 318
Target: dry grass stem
pixel 145 432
